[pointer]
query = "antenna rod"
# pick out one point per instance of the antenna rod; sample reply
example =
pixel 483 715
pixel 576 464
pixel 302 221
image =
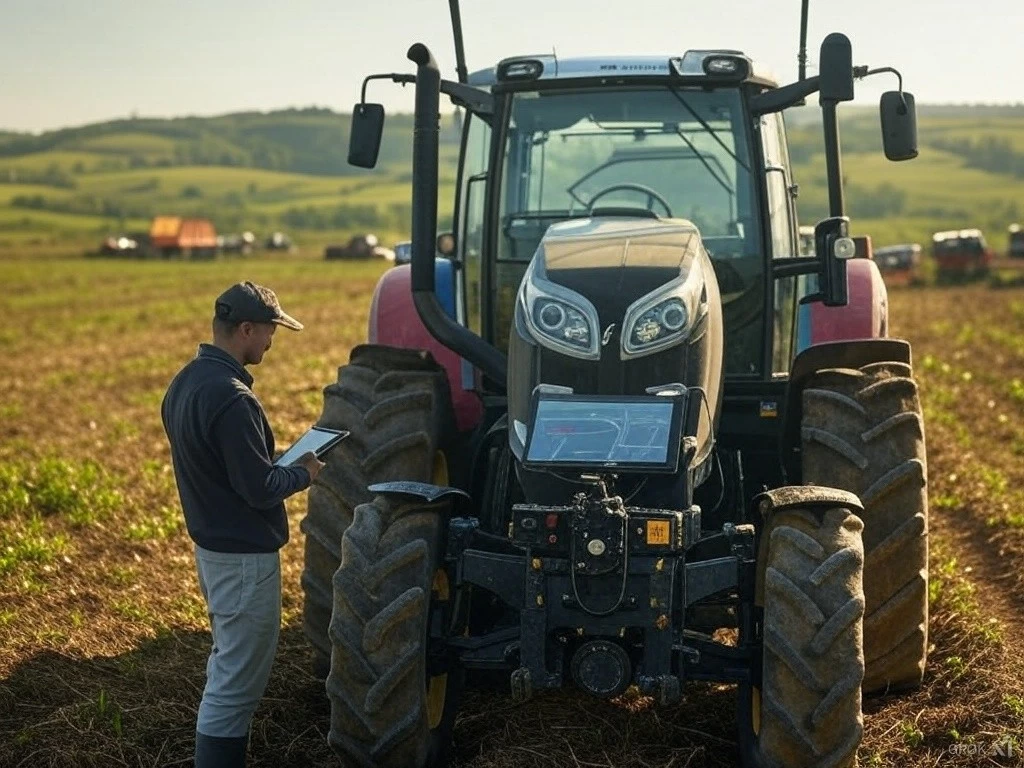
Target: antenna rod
pixel 802 56
pixel 460 50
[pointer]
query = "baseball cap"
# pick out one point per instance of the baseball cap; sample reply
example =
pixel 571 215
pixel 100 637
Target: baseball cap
pixel 253 303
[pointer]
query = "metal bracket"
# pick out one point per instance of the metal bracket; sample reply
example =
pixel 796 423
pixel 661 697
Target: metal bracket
pixel 423 491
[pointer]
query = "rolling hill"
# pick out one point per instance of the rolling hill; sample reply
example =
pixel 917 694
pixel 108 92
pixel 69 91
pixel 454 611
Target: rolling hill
pixel 288 170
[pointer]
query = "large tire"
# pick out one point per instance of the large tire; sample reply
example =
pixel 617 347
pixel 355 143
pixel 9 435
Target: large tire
pixel 862 432
pixel 385 712
pixel 813 663
pixel 396 404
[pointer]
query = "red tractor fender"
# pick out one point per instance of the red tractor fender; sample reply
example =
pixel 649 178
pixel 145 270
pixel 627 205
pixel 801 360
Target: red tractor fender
pixel 866 315
pixel 395 322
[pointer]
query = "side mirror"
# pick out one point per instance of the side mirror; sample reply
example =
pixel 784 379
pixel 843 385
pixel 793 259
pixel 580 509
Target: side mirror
pixel 364 140
pixel 899 125
pixel 836 69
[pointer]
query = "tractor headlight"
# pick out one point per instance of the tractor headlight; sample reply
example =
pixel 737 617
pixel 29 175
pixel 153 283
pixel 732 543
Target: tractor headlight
pixel 665 316
pixel 558 318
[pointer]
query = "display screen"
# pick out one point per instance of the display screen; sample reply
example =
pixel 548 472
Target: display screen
pixel 602 433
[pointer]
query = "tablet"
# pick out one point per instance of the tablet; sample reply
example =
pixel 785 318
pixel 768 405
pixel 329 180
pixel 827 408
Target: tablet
pixel 319 440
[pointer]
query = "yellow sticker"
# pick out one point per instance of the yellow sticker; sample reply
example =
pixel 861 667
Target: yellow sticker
pixel 658 531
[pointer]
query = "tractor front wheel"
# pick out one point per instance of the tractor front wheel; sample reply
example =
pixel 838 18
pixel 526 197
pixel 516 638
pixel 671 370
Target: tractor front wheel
pixel 808 710
pixel 395 404
pixel 391 707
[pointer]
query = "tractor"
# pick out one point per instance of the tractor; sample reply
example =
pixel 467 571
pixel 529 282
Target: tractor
pixel 584 444
pixel 1015 245
pixel 961 255
pixel 900 264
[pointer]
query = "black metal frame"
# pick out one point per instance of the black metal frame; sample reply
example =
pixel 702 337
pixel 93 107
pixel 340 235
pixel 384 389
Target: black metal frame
pixel 660 588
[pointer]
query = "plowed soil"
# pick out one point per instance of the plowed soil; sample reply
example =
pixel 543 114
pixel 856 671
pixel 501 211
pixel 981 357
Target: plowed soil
pixel 103 634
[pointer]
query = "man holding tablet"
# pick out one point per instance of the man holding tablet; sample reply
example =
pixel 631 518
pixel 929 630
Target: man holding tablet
pixel 232 495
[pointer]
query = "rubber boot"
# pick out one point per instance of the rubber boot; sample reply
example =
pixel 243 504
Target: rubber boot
pixel 220 752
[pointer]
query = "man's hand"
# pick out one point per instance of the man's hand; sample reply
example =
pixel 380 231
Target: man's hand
pixel 312 464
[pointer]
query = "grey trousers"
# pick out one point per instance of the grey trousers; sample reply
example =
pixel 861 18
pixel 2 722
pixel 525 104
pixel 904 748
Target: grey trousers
pixel 243 599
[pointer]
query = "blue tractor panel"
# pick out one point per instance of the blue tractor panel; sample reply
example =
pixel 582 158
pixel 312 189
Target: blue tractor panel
pixel 444 282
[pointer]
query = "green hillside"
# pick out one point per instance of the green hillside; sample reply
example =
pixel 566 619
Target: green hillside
pixel 288 170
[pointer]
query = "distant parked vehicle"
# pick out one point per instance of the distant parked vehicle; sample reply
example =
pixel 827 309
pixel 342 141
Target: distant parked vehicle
pixel 899 264
pixel 359 247
pixel 235 243
pixel 122 245
pixel 279 241
pixel 1009 271
pixel 403 252
pixel 1015 249
pixel 960 255
pixel 171 236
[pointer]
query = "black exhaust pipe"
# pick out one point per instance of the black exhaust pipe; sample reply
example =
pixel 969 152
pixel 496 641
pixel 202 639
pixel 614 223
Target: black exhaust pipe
pixel 462 341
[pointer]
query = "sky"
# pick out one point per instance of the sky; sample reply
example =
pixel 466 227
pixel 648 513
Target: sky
pixel 71 62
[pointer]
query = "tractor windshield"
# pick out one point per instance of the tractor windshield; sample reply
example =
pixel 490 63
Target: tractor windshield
pixel 636 151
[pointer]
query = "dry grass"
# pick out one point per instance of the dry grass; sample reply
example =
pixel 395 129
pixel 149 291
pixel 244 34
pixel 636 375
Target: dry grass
pixel 103 635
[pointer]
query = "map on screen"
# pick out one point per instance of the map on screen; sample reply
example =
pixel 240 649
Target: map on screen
pixel 581 432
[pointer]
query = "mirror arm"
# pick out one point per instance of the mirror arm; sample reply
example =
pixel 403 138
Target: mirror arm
pixel 395 77
pixel 478 102
pixel 466 96
pixel 859 73
pixel 787 96
pixel 800 265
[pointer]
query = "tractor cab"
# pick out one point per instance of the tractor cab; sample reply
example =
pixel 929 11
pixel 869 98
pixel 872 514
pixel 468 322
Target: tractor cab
pixel 631 139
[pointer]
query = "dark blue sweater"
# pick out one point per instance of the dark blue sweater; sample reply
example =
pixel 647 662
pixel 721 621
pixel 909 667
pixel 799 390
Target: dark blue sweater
pixel 221 446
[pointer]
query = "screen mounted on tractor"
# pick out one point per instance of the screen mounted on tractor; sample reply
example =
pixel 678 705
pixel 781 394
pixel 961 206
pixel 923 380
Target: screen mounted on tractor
pixel 605 433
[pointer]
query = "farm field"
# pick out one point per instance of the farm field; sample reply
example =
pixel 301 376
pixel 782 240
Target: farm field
pixel 103 634
pixel 288 170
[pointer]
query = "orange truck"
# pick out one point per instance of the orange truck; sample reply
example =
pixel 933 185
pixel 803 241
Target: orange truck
pixel 177 236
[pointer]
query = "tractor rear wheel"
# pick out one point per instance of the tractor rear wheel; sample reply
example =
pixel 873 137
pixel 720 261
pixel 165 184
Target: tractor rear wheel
pixel 389 708
pixel 395 403
pixel 808 711
pixel 862 432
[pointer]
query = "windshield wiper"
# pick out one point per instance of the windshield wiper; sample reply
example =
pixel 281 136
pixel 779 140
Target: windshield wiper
pixel 708 128
pixel 723 182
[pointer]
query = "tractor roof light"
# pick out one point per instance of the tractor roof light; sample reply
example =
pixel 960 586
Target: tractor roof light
pixel 732 66
pixel 520 69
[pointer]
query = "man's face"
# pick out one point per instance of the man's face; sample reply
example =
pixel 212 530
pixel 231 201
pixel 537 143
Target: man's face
pixel 258 338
